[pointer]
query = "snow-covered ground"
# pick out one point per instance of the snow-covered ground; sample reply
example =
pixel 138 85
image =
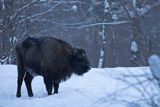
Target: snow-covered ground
pixel 108 87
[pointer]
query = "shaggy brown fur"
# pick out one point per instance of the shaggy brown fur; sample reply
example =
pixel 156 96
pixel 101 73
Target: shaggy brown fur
pixel 51 58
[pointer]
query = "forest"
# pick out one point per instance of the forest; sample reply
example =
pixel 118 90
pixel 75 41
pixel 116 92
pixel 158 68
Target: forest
pixel 113 32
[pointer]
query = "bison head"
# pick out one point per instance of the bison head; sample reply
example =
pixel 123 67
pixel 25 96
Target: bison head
pixel 79 61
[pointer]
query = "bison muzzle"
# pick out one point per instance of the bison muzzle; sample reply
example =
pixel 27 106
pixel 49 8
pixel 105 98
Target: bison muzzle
pixel 51 58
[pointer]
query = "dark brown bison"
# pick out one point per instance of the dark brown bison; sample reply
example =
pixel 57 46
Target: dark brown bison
pixel 51 58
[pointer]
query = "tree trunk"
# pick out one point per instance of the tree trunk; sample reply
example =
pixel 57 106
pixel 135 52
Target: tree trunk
pixel 7 32
pixel 102 50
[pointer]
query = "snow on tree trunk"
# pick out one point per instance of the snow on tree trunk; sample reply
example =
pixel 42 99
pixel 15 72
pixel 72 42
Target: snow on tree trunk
pixel 106 6
pixel 134 49
pixel 101 60
pixel 134 46
pixel 102 51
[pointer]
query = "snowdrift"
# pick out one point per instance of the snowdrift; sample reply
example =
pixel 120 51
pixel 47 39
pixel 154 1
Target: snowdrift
pixel 108 87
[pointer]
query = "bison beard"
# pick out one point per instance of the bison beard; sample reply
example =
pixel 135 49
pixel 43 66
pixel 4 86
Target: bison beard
pixel 51 58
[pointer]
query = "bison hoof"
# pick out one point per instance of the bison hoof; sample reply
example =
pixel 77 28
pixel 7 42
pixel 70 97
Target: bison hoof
pixel 18 95
pixel 55 92
pixel 30 95
pixel 49 93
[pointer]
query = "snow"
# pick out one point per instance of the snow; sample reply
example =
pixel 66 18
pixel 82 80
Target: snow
pixel 114 17
pixel 4 60
pixel 134 46
pixel 131 14
pixel 154 62
pixel 145 9
pixel 100 64
pixel 74 7
pixel 106 4
pixel 97 88
pixel 134 3
pixel 42 0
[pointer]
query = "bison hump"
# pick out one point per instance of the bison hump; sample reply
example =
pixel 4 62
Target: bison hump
pixel 30 41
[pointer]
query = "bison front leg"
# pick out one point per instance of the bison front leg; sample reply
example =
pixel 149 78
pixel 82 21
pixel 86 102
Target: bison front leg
pixel 48 83
pixel 56 86
pixel 28 79
pixel 19 83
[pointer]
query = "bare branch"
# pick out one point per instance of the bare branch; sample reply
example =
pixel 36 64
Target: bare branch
pixel 69 1
pixel 81 24
pixel 105 23
pixel 151 7
pixel 57 23
pixel 41 13
pixel 23 8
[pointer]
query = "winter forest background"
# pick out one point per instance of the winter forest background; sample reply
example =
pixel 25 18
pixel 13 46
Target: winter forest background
pixel 113 32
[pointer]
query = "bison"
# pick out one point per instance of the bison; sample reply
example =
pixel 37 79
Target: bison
pixel 52 58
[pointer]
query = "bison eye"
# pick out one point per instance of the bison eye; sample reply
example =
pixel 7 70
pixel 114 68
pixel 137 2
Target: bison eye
pixel 82 55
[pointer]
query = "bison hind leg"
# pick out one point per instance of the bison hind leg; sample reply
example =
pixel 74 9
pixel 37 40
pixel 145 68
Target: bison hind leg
pixel 48 84
pixel 28 79
pixel 20 68
pixel 56 86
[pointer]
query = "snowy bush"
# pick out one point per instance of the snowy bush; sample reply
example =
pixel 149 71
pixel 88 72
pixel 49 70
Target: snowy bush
pixel 143 81
pixel 154 62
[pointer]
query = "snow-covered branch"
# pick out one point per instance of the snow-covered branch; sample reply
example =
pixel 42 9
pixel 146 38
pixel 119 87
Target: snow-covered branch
pixel 81 24
pixel 3 61
pixel 139 81
pixel 20 10
pixel 105 23
pixel 68 1
pixel 139 11
pixel 41 13
pixel 58 23
pixel 145 8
